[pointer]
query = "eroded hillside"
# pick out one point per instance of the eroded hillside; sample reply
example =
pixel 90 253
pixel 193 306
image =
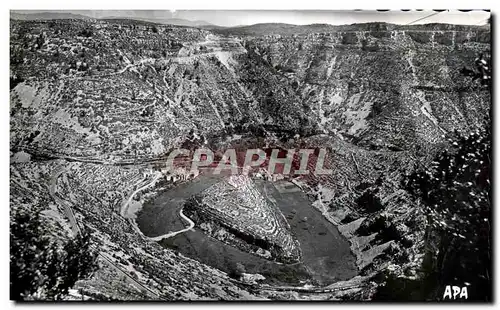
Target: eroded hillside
pixel 101 101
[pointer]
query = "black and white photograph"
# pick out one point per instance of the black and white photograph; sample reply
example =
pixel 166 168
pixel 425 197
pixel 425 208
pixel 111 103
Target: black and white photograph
pixel 250 155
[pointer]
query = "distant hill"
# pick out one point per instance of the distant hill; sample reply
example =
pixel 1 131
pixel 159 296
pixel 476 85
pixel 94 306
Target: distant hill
pixel 47 16
pixel 290 29
pixel 165 21
pixel 64 15
pixel 259 29
pixel 253 30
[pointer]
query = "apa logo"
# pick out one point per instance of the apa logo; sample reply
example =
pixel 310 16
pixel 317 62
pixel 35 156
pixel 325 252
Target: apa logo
pixel 457 292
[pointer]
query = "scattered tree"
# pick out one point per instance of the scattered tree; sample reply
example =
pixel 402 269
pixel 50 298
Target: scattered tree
pixel 40 268
pixel 456 193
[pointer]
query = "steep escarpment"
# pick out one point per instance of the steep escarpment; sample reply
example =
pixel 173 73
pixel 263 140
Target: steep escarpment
pixel 114 96
pixel 379 88
pixel 235 212
pixel 390 97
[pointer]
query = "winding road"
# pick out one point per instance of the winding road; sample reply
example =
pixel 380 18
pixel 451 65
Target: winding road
pixel 76 230
pixel 105 257
pixel 172 234
pixel 124 208
pixel 67 209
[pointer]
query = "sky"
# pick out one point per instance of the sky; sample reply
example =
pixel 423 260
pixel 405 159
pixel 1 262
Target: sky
pixel 249 17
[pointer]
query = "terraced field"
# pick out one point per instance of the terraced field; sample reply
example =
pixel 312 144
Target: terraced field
pixel 106 102
pixel 235 211
pixel 325 254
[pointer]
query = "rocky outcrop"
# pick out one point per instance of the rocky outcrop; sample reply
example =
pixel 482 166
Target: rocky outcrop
pixel 236 212
pixel 381 97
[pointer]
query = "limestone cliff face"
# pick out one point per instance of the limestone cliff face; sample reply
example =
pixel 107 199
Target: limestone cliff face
pixel 381 98
pixel 376 87
pixel 386 98
pixel 140 93
pixel 238 208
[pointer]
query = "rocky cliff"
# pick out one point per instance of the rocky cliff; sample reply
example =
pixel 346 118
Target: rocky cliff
pixel 374 86
pixel 381 97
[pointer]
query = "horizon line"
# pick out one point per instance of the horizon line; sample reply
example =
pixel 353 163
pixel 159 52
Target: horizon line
pixel 351 16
